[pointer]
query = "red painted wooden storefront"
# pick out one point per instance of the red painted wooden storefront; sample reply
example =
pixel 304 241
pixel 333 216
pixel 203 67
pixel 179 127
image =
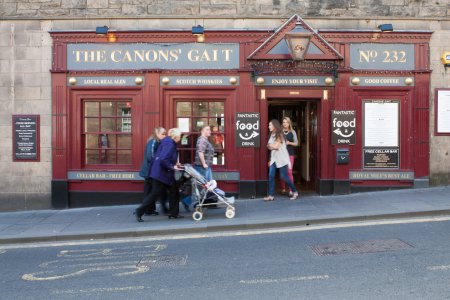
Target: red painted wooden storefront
pixel 83 175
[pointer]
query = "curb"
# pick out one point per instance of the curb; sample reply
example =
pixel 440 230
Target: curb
pixel 216 228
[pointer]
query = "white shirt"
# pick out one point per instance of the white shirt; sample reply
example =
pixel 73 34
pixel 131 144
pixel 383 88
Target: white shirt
pixel 279 156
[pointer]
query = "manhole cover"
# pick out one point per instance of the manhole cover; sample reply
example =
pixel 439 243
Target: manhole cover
pixel 360 247
pixel 163 261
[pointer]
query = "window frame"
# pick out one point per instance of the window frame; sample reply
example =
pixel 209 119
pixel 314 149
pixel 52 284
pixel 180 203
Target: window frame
pixel 115 133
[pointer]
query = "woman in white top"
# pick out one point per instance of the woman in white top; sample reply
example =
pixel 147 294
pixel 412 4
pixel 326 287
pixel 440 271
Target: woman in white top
pixel 279 159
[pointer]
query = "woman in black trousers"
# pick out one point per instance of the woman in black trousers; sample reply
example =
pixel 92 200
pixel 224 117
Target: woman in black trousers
pixel 163 175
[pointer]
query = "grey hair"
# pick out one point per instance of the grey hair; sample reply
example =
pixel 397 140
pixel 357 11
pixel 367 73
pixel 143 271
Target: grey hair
pixel 174 132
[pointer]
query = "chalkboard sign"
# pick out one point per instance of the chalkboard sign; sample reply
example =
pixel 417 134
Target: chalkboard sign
pixel 25 137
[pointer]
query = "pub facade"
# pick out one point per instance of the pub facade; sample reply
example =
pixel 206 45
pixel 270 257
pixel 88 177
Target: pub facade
pixel 358 99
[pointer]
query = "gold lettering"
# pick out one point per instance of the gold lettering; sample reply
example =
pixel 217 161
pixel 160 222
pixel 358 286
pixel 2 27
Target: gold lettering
pixel 139 54
pixel 227 53
pixel 113 55
pixel 77 55
pixel 366 56
pixel 127 57
pixel 151 56
pixel 192 56
pixel 163 54
pixel 174 54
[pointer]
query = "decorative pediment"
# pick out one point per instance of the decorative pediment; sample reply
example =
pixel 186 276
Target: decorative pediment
pixel 276 47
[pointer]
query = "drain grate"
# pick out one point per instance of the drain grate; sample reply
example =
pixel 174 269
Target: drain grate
pixel 163 261
pixel 360 247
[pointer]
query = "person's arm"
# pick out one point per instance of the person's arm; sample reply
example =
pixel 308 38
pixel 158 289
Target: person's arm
pixel 274 146
pixel 201 156
pixel 294 143
pixel 166 155
pixel 201 147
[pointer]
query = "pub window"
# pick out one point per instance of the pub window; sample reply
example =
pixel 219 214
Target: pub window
pixel 191 117
pixel 107 132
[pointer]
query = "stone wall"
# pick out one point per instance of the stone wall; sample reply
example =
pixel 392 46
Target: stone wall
pixel 25 88
pixel 222 8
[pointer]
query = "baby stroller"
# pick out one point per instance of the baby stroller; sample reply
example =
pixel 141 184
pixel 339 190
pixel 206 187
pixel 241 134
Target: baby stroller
pixel 206 194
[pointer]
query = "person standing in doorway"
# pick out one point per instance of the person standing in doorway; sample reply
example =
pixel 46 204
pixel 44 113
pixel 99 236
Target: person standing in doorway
pixel 162 173
pixel 149 152
pixel 204 153
pixel 291 142
pixel 217 142
pixel 279 159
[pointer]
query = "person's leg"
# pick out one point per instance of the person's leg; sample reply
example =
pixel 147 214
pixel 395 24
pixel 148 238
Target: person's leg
pixel 208 174
pixel 163 201
pixel 147 191
pixel 289 171
pixel 272 171
pixel 285 177
pixel 150 200
pixel 201 170
pixel 174 207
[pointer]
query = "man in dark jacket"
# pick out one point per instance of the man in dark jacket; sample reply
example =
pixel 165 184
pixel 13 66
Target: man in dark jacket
pixel 162 173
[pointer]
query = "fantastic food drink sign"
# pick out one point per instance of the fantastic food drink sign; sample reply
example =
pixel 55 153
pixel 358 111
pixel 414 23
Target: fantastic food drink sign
pixel 116 56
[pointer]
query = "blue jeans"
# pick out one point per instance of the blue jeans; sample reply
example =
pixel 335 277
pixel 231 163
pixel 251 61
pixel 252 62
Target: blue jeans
pixel 284 176
pixel 207 173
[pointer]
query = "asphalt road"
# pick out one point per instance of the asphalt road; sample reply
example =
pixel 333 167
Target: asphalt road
pixel 406 261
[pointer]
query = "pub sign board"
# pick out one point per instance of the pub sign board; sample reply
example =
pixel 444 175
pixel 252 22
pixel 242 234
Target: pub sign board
pixel 248 129
pixel 381 158
pixel 25 137
pixel 343 127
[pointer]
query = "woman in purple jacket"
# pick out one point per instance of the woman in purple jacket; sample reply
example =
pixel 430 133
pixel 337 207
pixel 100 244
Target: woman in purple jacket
pixel 162 173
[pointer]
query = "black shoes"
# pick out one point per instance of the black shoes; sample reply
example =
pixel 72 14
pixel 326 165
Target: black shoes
pixel 176 217
pixel 138 217
pixel 152 213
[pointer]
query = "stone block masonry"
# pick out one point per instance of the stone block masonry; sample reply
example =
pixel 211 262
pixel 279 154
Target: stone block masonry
pixel 214 8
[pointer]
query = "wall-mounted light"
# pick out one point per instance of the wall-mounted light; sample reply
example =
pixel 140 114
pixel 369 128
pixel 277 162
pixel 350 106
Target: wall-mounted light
pixel 386 27
pixel 199 32
pixel 101 30
pixel 445 59
pixel 112 38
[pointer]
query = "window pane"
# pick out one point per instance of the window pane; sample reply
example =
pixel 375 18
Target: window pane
pixel 108 125
pixel 108 157
pixel 108 108
pixel 200 109
pixel 124 124
pixel 186 156
pixel 188 141
pixel 216 108
pixel 198 123
pixel 92 141
pixel 91 124
pixel 91 109
pixel 92 156
pixel 184 124
pixel 124 141
pixel 124 157
pixel 184 109
pixel 124 109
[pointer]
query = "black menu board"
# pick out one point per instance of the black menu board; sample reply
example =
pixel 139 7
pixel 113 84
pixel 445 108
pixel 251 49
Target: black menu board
pixel 25 137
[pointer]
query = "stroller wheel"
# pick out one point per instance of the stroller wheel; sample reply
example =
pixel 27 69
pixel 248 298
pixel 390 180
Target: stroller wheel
pixel 197 216
pixel 230 212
